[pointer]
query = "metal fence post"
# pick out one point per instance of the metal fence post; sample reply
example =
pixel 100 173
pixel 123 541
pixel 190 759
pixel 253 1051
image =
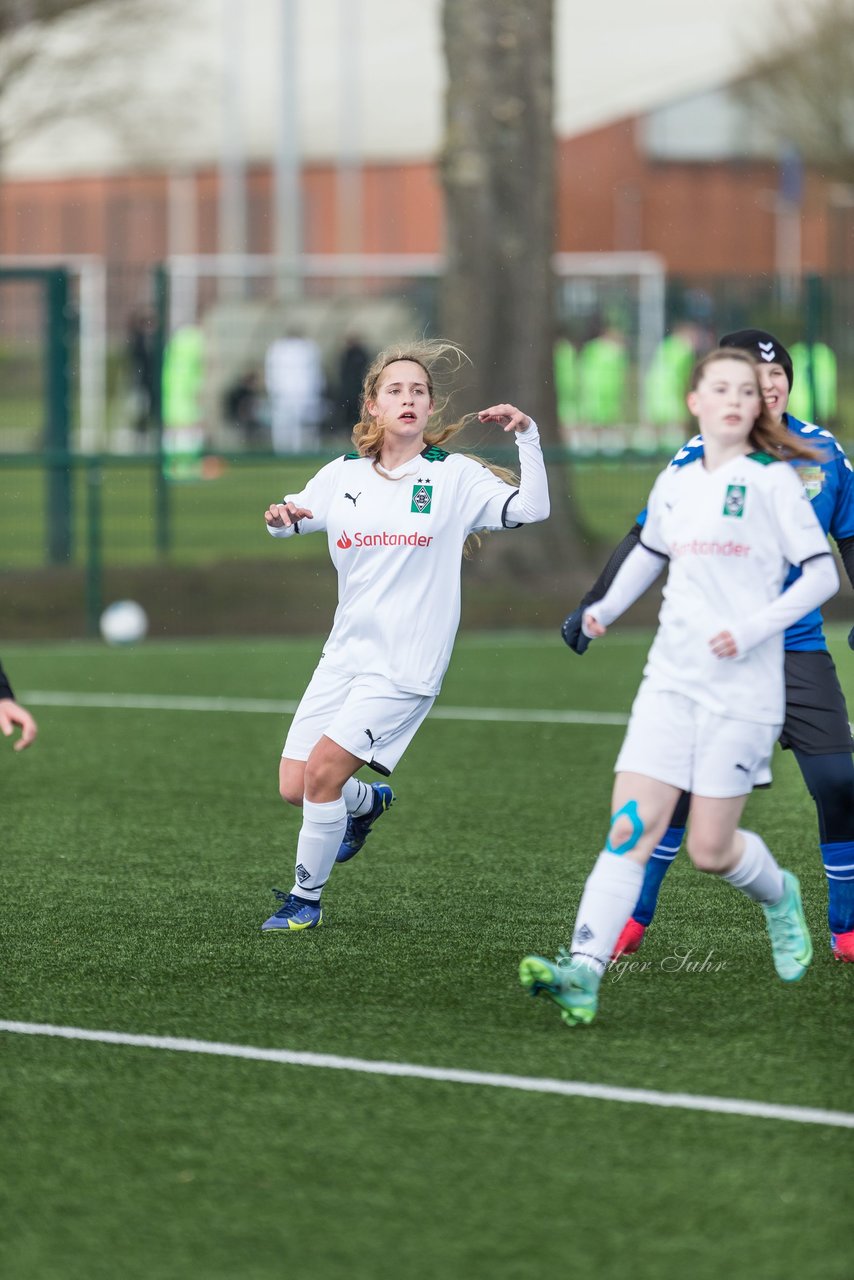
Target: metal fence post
pixel 94 544
pixel 162 533
pixel 57 434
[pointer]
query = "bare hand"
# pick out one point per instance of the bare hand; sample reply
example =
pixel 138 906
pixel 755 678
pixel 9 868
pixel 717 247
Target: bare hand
pixel 591 627
pixel 723 645
pixel 10 715
pixel 510 418
pixel 281 515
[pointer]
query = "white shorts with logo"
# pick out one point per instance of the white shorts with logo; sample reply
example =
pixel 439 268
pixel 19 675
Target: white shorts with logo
pixel 367 715
pixel 674 739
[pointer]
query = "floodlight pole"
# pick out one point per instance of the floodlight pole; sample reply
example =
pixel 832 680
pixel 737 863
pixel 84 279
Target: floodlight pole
pixel 288 213
pixel 348 178
pixel 232 169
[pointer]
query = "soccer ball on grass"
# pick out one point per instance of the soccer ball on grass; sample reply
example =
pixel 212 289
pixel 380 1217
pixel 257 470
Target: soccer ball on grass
pixel 124 622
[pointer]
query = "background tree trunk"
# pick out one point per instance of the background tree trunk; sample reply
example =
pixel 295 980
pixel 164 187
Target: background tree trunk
pixel 498 297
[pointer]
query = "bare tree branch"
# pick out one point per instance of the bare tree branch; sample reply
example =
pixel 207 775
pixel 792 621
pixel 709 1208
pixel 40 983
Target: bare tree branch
pixel 66 60
pixel 802 86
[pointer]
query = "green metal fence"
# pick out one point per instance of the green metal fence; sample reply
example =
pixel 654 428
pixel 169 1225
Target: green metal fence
pixel 123 513
pixel 101 513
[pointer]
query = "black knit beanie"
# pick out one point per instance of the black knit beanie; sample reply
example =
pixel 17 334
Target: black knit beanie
pixel 763 346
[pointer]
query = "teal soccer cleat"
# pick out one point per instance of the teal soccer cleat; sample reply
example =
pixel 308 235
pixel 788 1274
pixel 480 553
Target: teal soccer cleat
pixel 294 915
pixel 571 981
pixel 791 945
pixel 358 829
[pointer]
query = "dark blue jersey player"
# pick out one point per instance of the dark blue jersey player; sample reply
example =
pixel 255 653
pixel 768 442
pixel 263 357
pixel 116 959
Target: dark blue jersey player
pixel 816 728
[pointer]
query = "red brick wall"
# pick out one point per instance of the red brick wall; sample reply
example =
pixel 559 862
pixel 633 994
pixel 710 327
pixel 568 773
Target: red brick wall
pixel 702 218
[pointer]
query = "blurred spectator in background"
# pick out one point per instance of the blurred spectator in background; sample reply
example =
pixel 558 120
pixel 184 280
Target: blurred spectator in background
pixel 824 379
pixel 353 364
pixel 666 384
pixel 566 384
pixel 603 370
pixel 244 407
pixel 183 415
pixel 294 376
pixel 142 370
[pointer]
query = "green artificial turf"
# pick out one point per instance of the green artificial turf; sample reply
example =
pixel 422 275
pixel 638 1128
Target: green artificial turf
pixel 139 849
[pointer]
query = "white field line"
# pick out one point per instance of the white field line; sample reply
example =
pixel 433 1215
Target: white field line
pixel 269 706
pixel 448 1075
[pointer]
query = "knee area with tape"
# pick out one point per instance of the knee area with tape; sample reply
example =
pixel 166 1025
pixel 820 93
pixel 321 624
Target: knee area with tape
pixel 626 829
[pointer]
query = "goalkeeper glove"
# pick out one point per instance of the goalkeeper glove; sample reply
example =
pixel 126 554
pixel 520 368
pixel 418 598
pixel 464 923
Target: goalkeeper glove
pixel 575 637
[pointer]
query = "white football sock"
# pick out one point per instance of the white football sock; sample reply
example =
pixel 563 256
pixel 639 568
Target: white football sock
pixel 321 833
pixel 608 899
pixel 358 797
pixel 757 874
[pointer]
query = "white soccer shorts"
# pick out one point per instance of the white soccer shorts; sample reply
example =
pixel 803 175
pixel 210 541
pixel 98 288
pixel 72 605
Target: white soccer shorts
pixel 367 715
pixel 674 739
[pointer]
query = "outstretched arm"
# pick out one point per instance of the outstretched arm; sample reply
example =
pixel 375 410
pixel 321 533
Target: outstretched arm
pixel 282 518
pixel 571 630
pixel 637 573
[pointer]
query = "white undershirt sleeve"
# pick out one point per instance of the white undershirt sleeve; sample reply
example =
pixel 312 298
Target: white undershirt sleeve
pixel 531 501
pixel 819 580
pixel 636 574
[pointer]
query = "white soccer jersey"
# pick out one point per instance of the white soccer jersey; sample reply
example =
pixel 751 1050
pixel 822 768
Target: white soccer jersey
pixel 730 535
pixel 396 540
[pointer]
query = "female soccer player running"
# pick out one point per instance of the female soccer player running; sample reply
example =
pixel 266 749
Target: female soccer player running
pixel 711 703
pixel 397 514
pixel 816 727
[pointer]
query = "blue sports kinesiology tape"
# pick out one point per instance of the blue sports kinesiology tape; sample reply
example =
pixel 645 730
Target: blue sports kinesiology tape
pixel 630 811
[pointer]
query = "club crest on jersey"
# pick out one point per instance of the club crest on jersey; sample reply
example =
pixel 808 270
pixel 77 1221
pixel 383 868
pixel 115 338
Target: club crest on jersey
pixel 734 500
pixel 812 479
pixel 422 497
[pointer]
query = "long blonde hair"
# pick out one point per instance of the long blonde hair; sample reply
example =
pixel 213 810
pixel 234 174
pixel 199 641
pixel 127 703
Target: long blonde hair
pixel 768 435
pixel 440 359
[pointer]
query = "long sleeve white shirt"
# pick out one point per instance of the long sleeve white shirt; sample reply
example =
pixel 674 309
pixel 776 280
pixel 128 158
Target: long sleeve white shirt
pixel 396 540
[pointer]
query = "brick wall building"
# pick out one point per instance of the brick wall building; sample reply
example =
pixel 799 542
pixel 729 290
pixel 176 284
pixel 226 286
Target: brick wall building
pixel 703 218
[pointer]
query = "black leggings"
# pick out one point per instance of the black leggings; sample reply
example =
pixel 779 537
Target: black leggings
pixel 830 781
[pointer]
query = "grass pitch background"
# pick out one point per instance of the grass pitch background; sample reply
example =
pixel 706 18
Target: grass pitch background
pixel 139 848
